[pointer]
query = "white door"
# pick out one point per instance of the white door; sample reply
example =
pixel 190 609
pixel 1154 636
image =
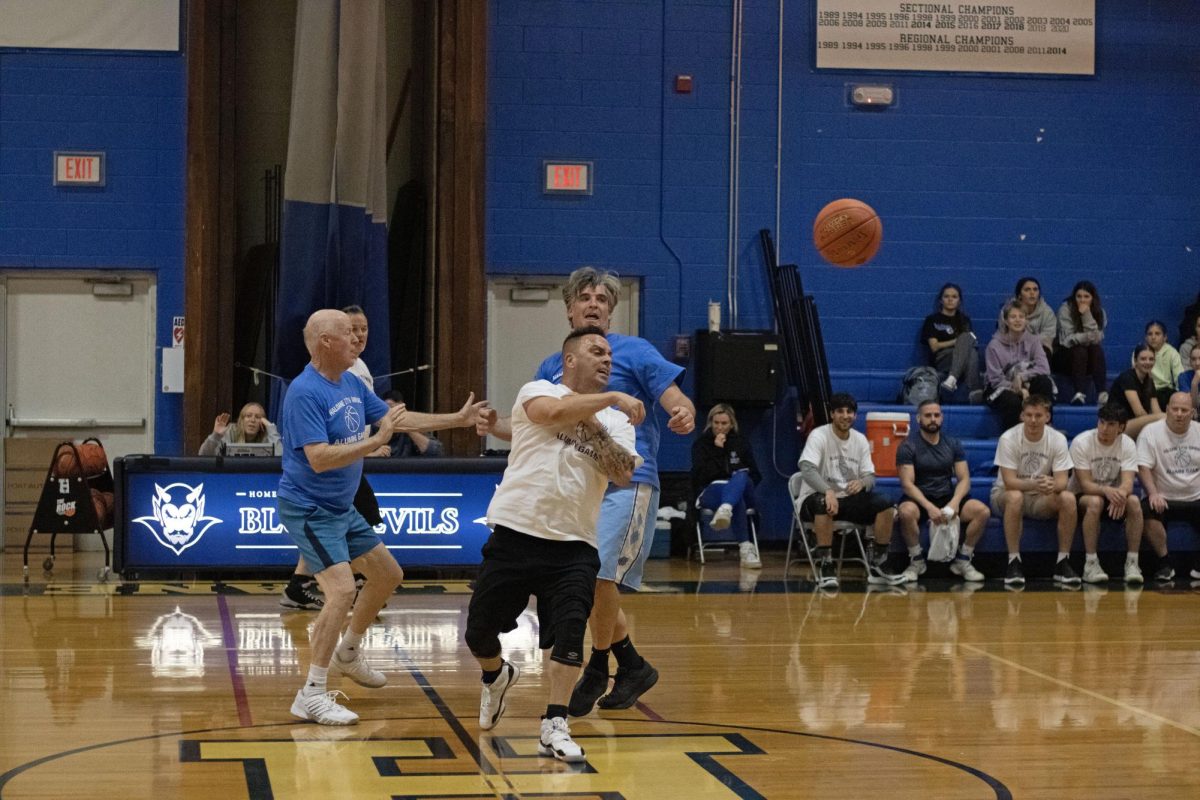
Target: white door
pixel 79 361
pixel 527 321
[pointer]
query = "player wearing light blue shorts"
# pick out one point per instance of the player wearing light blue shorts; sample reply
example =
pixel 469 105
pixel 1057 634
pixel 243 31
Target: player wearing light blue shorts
pixel 627 515
pixel 326 428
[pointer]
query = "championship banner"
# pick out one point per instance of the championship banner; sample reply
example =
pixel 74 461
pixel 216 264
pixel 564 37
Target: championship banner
pixel 1018 36
pixel 186 515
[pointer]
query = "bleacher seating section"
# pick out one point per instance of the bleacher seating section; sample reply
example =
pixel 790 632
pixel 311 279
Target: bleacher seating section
pixel 978 427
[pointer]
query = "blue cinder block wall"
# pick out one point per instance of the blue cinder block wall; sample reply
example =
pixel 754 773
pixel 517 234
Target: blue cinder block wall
pixel 979 179
pixel 132 107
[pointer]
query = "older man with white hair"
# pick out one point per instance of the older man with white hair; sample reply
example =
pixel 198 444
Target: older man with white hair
pixel 325 424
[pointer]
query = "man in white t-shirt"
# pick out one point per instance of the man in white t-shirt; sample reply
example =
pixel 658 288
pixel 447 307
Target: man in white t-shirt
pixel 839 477
pixel 1168 458
pixel 1032 482
pixel 567 444
pixel 1105 462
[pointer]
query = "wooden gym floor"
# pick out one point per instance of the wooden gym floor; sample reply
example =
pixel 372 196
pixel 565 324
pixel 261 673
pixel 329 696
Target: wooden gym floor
pixel 768 689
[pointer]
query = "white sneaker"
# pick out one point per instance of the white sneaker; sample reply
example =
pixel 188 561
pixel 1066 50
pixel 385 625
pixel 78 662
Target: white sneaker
pixel 359 671
pixel 915 569
pixel 963 568
pixel 1078 399
pixel 491 698
pixel 1102 398
pixel 1133 573
pixel 749 555
pixel 556 741
pixel 1092 573
pixel 950 384
pixel 322 708
pixel 722 518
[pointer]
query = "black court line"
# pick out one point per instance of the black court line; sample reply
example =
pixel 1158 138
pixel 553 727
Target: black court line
pixel 231 655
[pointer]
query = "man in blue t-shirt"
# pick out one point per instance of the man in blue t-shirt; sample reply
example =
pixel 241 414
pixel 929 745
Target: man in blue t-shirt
pixel 326 429
pixel 936 480
pixel 627 516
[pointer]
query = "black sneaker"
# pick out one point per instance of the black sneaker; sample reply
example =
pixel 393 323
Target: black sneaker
pixel 629 685
pixel 302 596
pixel 1063 573
pixel 827 574
pixel 1165 574
pixel 1014 576
pixel 587 691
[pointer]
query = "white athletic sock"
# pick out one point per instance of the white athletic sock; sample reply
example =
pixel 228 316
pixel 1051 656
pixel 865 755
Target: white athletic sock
pixel 317 677
pixel 1014 557
pixel 1091 558
pixel 967 550
pixel 914 551
pixel 1062 555
pixel 347 649
pixel 1131 558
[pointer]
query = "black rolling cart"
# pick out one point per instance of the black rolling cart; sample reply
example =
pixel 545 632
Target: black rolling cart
pixel 73 503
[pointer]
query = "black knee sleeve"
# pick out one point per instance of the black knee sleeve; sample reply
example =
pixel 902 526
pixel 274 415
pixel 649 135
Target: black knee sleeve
pixel 568 641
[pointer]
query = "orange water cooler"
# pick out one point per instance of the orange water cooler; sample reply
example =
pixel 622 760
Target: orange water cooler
pixel 885 431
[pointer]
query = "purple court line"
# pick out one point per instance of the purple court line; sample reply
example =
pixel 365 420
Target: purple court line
pixel 235 677
pixel 649 712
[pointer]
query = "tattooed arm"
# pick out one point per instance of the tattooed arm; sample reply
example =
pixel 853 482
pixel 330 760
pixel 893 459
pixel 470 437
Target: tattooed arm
pixel 617 462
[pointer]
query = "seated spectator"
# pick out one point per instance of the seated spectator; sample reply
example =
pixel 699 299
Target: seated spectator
pixel 723 478
pixel 1040 320
pixel 839 477
pixel 1167 364
pixel 1188 344
pixel 410 443
pixel 936 482
pixel 947 333
pixel 251 426
pixel 1134 391
pixel 1168 457
pixel 1189 381
pixel 1081 325
pixel 1032 482
pixel 1190 316
pixel 1016 367
pixel 1105 462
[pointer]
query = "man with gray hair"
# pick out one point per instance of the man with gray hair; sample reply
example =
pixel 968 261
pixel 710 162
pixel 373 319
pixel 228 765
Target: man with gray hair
pixel 627 516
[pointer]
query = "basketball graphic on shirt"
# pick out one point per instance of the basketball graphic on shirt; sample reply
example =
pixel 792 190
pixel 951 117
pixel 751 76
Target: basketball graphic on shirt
pixel 845 469
pixel 1031 464
pixel 353 420
pixel 1106 471
pixel 1183 459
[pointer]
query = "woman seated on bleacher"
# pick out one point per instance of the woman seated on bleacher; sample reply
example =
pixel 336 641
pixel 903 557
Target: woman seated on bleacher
pixel 1016 367
pixel 1081 325
pixel 1189 344
pixel 723 478
pixel 251 426
pixel 1167 364
pixel 1134 390
pixel 947 333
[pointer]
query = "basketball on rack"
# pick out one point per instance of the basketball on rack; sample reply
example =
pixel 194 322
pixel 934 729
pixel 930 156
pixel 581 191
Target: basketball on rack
pixel 66 465
pixel 847 233
pixel 94 459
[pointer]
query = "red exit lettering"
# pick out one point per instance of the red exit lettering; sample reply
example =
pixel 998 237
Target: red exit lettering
pixel 79 169
pixel 567 176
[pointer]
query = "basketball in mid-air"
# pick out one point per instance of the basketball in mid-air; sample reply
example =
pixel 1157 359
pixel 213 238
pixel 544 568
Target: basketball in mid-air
pixel 847 233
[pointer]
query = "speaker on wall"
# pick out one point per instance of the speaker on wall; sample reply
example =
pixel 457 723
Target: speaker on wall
pixel 736 367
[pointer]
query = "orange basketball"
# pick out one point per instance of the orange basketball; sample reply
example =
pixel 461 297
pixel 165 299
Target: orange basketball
pixel 65 463
pixel 93 457
pixel 100 506
pixel 847 233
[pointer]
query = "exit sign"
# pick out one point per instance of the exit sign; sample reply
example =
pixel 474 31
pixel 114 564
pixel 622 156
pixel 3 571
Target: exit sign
pixel 78 169
pixel 567 177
